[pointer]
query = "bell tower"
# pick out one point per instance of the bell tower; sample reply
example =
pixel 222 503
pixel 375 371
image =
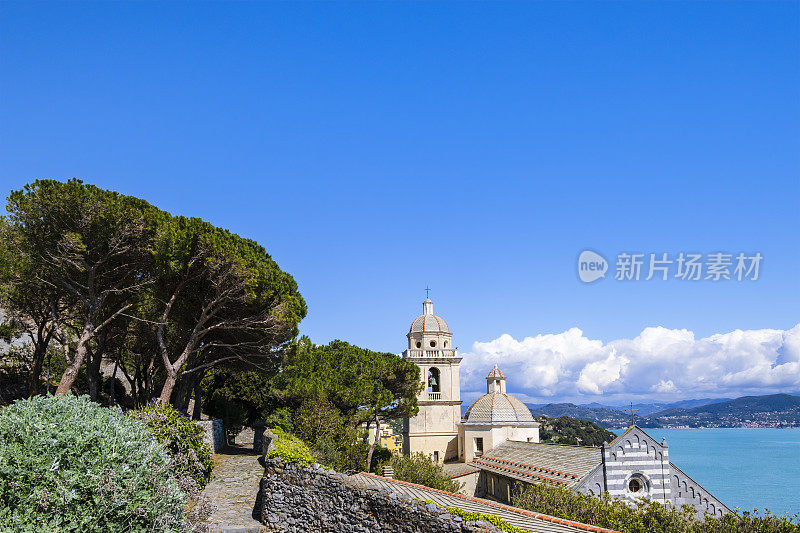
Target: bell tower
pixel 434 431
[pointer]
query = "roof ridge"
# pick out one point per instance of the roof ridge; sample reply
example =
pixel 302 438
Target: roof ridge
pixel 517 510
pixel 578 446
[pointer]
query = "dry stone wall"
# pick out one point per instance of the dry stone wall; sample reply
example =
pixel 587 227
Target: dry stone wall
pixel 299 499
pixel 213 434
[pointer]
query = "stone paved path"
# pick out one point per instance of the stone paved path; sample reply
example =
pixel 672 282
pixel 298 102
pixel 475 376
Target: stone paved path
pixel 234 488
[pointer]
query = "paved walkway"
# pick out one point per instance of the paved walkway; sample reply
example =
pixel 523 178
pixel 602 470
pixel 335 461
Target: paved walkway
pixel 234 488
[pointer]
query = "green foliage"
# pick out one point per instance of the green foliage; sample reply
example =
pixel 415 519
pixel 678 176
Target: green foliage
pixel 251 389
pixel 182 438
pixel 7 331
pixel 566 430
pixel 233 416
pixel 322 394
pixel 747 522
pixel 67 464
pixel 317 420
pixel 131 282
pixel 492 519
pixel 353 457
pixel 380 457
pixel 646 517
pixel 356 381
pixel 279 418
pixel 290 449
pixel 421 470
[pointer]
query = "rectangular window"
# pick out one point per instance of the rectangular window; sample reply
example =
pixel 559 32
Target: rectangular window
pixel 478 446
pixel 435 457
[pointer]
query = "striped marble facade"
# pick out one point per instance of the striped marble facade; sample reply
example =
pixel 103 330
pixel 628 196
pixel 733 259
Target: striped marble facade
pixel 636 456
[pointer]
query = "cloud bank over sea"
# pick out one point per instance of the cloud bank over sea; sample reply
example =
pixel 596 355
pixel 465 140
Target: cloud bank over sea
pixel 660 364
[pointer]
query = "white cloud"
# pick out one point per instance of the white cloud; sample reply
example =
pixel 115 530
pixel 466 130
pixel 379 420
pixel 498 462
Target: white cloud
pixel 660 363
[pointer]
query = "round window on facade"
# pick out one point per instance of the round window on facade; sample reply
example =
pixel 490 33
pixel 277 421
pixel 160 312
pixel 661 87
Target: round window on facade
pixel 634 485
pixel 419 344
pixel 433 344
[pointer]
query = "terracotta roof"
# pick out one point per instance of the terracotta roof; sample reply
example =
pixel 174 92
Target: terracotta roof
pixel 535 462
pixel 528 520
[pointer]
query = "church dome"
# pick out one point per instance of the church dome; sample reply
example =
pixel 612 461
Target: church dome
pixel 497 407
pixel 428 322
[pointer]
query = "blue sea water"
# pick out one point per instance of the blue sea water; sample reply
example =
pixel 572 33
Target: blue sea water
pixel 745 468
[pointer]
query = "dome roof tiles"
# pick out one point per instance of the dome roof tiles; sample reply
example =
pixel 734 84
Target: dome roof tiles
pixel 497 407
pixel 429 324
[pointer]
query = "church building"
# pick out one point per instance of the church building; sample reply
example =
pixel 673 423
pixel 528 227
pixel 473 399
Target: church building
pixel 495 450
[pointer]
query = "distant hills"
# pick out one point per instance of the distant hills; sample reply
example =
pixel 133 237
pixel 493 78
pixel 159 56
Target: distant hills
pixel 605 417
pixel 571 431
pixel 774 410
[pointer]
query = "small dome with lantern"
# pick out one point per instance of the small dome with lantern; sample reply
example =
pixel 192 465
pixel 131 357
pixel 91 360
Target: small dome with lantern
pixel 497 406
pixel 427 322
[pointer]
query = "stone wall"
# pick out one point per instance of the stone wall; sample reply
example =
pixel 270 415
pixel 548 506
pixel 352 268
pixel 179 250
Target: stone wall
pixel 298 499
pixel 213 434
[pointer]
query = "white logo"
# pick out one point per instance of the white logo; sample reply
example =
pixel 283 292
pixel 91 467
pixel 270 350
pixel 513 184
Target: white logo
pixel 591 266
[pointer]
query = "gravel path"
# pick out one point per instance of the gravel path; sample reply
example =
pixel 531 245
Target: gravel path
pixel 234 488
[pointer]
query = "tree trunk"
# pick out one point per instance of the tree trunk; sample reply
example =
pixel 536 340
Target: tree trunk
pixel 93 373
pixel 39 353
pixel 36 369
pixel 113 392
pixel 183 393
pixel 169 385
pixel 197 412
pixel 71 372
pixel 374 443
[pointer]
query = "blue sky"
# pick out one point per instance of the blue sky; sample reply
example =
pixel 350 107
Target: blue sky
pixel 376 148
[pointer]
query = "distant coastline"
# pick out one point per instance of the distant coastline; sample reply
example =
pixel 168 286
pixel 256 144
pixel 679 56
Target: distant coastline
pixel 774 411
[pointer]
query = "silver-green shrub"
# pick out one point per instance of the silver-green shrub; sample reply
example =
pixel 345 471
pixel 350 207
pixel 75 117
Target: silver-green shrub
pixel 67 464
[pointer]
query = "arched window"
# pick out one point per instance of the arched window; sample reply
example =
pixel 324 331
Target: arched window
pixel 434 381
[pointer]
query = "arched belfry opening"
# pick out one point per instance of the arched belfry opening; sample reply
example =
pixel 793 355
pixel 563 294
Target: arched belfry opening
pixel 434 380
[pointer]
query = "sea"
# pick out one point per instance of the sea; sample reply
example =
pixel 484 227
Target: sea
pixel 745 468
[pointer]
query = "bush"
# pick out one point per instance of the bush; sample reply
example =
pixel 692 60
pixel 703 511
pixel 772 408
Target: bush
pixel 646 516
pixel 317 419
pixel 279 418
pixel 327 453
pixel 183 439
pixel 492 519
pixel 290 449
pixel 380 457
pixel 352 457
pixel 419 469
pixel 67 464
pixel 748 522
